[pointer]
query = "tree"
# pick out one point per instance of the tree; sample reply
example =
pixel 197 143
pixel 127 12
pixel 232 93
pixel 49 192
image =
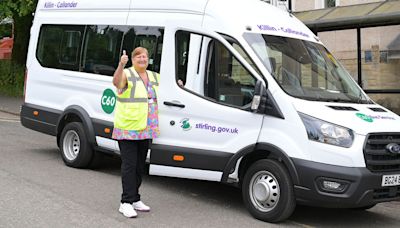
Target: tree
pixel 21 12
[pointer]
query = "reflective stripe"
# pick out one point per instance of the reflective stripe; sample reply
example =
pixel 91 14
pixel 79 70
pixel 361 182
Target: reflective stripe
pixel 132 100
pixel 155 78
pixel 128 116
pixel 156 83
pixel 132 78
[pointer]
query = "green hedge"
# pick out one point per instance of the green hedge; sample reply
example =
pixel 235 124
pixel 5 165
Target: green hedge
pixel 11 78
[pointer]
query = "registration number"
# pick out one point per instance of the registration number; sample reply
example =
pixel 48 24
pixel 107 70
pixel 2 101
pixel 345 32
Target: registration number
pixel 390 180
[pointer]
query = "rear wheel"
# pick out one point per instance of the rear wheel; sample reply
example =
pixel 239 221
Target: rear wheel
pixel 75 148
pixel 268 191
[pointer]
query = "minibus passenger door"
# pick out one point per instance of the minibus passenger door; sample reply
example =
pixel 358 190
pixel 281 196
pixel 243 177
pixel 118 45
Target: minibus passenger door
pixel 204 122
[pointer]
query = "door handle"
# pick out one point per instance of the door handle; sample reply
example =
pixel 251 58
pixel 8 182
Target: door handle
pixel 168 103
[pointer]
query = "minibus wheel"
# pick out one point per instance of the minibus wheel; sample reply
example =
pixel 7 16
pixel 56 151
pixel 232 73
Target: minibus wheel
pixel 75 148
pixel 268 191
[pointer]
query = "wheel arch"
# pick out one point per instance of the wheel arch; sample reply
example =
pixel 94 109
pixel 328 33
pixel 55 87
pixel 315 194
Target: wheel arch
pixel 75 113
pixel 253 153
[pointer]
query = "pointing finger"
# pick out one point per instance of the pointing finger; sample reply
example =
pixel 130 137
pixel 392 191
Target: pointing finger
pixel 124 52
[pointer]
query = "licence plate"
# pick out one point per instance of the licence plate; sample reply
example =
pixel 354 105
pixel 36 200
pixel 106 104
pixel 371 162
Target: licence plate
pixel 390 180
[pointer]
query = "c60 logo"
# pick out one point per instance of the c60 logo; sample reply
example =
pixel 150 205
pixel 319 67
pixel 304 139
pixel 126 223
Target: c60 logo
pixel 108 101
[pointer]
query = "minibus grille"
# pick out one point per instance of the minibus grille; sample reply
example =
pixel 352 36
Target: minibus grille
pixel 386 193
pixel 377 157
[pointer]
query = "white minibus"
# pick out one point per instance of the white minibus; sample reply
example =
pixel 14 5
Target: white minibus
pixel 264 106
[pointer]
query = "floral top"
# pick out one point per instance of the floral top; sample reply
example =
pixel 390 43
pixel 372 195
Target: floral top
pixel 151 131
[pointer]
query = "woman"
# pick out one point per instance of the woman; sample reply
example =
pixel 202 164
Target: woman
pixel 135 124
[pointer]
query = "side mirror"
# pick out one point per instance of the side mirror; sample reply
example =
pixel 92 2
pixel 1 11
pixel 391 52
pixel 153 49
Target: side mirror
pixel 259 98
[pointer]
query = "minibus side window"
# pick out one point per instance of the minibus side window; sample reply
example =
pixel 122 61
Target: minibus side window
pixel 182 42
pixel 59 46
pixel 150 38
pixel 227 81
pixel 69 47
pixel 102 49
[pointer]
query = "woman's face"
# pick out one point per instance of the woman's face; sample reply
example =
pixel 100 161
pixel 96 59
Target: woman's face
pixel 140 61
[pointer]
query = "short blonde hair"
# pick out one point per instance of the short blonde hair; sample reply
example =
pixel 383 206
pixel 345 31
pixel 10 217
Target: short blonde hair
pixel 139 51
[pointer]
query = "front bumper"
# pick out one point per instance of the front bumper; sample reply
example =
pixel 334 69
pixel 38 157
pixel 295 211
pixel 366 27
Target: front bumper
pixel 363 187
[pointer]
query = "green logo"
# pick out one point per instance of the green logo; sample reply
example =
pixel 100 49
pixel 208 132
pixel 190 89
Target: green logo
pixel 185 124
pixel 364 117
pixel 108 101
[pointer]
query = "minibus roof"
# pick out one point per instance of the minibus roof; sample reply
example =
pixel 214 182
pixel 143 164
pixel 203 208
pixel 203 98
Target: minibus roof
pixel 224 16
pixel 254 16
pixel 184 6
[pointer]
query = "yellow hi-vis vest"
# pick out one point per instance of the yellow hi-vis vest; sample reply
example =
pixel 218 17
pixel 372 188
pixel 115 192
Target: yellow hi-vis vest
pixel 131 109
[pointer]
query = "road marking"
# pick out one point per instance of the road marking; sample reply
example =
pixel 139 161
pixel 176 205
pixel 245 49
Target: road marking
pixel 9 120
pixel 10 113
pixel 9 117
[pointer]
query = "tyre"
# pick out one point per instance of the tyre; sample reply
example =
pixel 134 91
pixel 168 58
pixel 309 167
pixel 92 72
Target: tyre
pixel 98 160
pixel 75 149
pixel 267 191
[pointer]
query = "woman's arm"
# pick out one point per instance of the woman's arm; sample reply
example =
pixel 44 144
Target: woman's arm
pixel 119 78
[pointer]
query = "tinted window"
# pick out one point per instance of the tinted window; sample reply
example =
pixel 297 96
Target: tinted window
pixel 227 80
pixel 59 46
pixel 102 49
pixel 150 38
pixel 69 47
pixel 182 54
pixel 330 3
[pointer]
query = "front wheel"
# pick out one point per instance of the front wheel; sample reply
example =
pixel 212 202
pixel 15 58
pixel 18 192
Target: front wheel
pixel 267 191
pixel 75 148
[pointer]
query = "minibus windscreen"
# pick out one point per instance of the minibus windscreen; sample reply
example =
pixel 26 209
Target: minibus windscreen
pixel 305 69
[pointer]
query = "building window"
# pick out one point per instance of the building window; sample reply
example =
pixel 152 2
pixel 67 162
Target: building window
pixel 368 56
pixel 382 67
pixel 330 3
pixel 383 57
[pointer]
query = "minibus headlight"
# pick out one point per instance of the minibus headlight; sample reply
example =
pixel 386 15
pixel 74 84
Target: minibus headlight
pixel 325 132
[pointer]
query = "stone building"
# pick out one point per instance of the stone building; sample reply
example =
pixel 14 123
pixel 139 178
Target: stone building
pixel 365 36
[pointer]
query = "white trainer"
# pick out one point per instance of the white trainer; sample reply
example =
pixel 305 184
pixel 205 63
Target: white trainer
pixel 127 210
pixel 140 206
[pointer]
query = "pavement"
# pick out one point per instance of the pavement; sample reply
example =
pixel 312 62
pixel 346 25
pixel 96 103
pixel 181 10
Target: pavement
pixel 11 105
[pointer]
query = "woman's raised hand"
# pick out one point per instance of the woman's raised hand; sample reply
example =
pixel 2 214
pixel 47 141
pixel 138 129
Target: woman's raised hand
pixel 124 58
